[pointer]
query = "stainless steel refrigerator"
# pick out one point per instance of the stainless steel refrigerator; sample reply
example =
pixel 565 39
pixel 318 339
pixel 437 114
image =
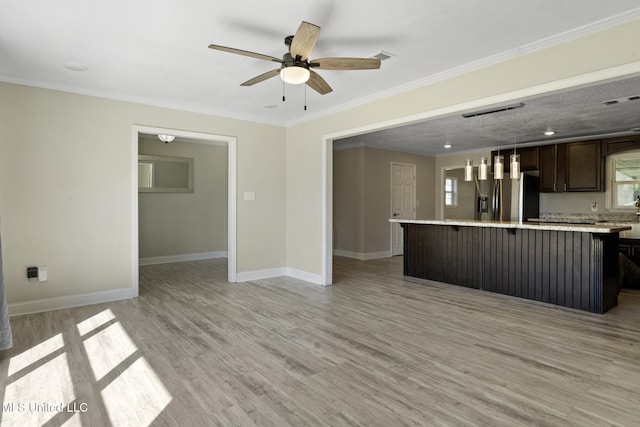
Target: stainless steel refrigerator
pixel 507 199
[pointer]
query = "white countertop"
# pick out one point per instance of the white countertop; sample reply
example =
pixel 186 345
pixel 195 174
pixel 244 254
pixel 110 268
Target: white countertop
pixel 584 228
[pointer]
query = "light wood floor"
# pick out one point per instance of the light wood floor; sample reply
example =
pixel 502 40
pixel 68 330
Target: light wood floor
pixel 374 349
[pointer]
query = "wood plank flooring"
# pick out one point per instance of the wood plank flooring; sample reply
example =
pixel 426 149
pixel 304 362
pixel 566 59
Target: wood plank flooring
pixel 375 349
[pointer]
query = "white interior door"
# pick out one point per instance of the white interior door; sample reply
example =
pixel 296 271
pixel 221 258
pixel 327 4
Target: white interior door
pixel 403 201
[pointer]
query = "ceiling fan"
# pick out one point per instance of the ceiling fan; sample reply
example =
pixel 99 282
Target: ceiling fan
pixel 295 65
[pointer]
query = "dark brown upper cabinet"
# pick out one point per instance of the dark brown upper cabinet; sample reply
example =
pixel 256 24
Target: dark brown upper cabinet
pixel 529 158
pixel 574 167
pixel 552 168
pixel 584 166
pixel 620 144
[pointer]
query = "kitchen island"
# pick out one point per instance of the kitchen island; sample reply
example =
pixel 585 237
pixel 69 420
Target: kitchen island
pixel 572 265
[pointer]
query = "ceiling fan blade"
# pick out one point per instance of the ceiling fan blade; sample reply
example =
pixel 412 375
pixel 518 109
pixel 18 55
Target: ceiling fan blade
pixel 261 77
pixel 304 40
pixel 318 84
pixel 245 53
pixel 345 63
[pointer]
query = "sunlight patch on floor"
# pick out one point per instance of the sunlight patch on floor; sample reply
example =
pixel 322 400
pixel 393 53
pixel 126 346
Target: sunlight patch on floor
pixel 136 396
pixel 39 393
pixel 96 321
pixel 107 349
pixel 34 354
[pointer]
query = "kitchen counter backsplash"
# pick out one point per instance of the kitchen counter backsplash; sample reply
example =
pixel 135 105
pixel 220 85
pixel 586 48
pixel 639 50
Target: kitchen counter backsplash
pixel 588 218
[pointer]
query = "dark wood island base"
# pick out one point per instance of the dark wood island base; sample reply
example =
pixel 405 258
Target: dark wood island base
pixel 569 265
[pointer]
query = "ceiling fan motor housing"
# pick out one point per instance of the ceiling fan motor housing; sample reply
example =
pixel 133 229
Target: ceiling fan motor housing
pixel 289 61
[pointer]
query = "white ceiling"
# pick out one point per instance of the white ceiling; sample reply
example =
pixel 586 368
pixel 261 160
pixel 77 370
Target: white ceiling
pixel 156 52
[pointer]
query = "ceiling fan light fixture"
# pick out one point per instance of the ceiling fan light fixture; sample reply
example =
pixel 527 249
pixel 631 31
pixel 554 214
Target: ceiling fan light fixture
pixel 295 75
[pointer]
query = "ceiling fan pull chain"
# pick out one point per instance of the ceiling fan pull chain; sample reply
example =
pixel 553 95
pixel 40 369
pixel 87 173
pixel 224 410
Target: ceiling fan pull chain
pixel 283 98
pixel 305 97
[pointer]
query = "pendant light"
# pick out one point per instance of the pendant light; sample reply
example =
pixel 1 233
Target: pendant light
pixel 498 167
pixel 515 162
pixel 483 169
pixel 515 165
pixel 514 159
pixel 468 170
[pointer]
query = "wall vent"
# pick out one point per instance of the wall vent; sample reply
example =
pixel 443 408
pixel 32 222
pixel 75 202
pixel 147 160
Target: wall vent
pixel 493 110
pixel 383 55
pixel 620 100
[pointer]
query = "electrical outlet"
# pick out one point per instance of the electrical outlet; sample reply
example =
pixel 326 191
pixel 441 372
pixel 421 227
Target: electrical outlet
pixel 32 273
pixel 594 207
pixel 39 273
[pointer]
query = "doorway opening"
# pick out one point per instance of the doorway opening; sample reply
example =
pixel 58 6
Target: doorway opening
pixel 524 93
pixel 210 145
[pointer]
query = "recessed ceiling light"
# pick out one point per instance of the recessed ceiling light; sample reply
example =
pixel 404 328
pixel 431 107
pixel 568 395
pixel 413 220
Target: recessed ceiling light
pixel 76 67
pixel 550 132
pixel 448 145
pixel 270 106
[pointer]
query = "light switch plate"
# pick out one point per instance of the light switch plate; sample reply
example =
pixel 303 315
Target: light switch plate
pixel 43 273
pixel 249 195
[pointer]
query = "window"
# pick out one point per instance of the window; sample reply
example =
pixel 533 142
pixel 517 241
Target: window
pixel 451 192
pixel 625 180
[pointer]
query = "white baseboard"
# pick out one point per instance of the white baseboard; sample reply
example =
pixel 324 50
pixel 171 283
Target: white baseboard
pixel 49 304
pixel 268 273
pixel 182 258
pixel 316 279
pixel 362 256
pixel 246 276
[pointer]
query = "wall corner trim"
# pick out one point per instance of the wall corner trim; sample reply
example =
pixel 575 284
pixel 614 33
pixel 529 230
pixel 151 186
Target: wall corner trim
pixel 316 279
pixel 269 273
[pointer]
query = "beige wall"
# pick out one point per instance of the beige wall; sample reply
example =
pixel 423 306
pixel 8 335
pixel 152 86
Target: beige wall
pixel 523 76
pixel 66 195
pixel 362 196
pixel 572 202
pixel 348 200
pixel 466 201
pixel 185 223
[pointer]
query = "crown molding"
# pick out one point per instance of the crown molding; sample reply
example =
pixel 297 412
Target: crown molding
pixel 538 45
pixel 185 107
pixel 573 34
